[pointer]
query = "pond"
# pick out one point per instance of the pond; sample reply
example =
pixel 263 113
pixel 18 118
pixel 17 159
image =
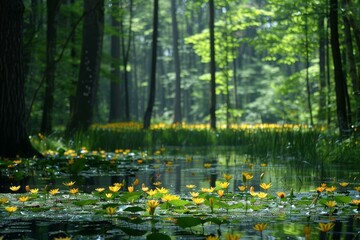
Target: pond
pixel 291 204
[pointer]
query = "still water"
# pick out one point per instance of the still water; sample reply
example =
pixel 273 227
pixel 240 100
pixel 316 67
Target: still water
pixel 203 167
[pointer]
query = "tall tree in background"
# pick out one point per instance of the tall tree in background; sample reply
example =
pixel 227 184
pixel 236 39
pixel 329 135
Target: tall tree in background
pixel 82 113
pixel 14 140
pixel 176 58
pixel 150 106
pixel 212 65
pixel 340 83
pixel 53 7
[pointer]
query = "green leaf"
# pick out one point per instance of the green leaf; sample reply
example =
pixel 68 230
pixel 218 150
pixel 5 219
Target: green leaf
pixel 179 203
pixel 85 202
pixel 185 222
pixel 134 209
pixel 343 199
pixel 133 232
pixel 157 236
pixel 133 220
pixel 217 221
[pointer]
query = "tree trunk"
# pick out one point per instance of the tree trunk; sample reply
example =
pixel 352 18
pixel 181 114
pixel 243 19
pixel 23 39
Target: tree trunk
pixel 175 31
pixel 14 140
pixel 212 65
pixel 322 70
pixel 115 77
pixel 53 7
pixel 340 83
pixel 150 106
pixel 81 117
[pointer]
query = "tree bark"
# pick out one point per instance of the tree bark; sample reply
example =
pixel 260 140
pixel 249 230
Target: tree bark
pixel 150 106
pixel 212 65
pixel 14 140
pixel 322 70
pixel 340 83
pixel 82 114
pixel 176 58
pixel 53 7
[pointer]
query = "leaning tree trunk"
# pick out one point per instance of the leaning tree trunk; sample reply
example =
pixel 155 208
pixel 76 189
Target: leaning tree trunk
pixel 340 84
pixel 85 99
pixel 14 140
pixel 150 106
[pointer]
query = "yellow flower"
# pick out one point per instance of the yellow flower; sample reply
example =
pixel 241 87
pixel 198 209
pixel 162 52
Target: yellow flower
pixel 227 177
pixel 54 191
pixel 152 205
pixel 356 201
pixel 207 165
pixel 262 195
pixel 344 184
pixel 325 227
pixel 131 189
pixel 23 199
pixel 224 184
pixel 330 204
pixel 169 197
pixel 17 162
pixel 330 189
pixel 246 176
pixel 120 185
pixel 111 210
pixel 194 194
pixel 151 192
pixel 144 188
pixel 198 201
pixel 157 184
pixel 232 236
pixel 11 209
pixel 136 182
pixel 320 189
pixel 115 188
pixel 281 194
pixel 191 186
pixel 108 195
pixel 220 193
pixel 100 190
pixel 212 237
pixel 208 190
pixel 69 184
pixel 242 188
pixel 34 190
pixel 162 190
pixel 74 190
pixel 263 164
pixel 14 188
pixel 357 188
pixel 260 226
pixel 62 238
pixel 3 200
pixel 265 186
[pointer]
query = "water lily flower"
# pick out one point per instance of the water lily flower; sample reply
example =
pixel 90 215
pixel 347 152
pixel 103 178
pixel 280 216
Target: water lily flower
pixel 34 190
pixel 23 199
pixel 220 193
pixel 330 204
pixel 357 188
pixel 211 237
pixel 323 185
pixel 151 192
pixel 242 188
pixel 54 191
pixel 131 189
pixel 152 205
pixel 331 189
pixel 111 210
pixel 355 201
pixel 224 185
pixel 169 197
pixel 69 184
pixel 344 184
pixel 232 236
pixel 114 189
pixel 3 200
pixel 108 195
pixel 263 164
pixel 198 201
pixel 144 188
pixel 194 194
pixel 157 184
pixel 281 194
pixel 326 227
pixel 262 195
pixel 227 177
pixel 320 189
pixel 260 227
pixel 62 238
pixel 100 190
pixel 265 186
pixel 14 188
pixel 74 191
pixel 246 176
pixel 162 190
pixel 11 209
pixel 207 165
pixel 191 186
pixel 208 190
pixel 120 185
pixel 136 182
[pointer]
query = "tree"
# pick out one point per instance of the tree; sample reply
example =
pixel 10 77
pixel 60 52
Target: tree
pixel 82 113
pixel 14 140
pixel 212 65
pixel 150 106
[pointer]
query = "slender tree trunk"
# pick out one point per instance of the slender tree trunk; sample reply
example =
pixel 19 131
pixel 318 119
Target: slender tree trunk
pixel 150 106
pixel 115 85
pixel 82 115
pixel 340 83
pixel 175 31
pixel 322 70
pixel 212 65
pixel 14 140
pixel 53 7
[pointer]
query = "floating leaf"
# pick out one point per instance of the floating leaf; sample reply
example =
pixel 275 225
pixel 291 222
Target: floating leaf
pixel 85 202
pixel 157 236
pixel 134 209
pixel 343 199
pixel 133 220
pixel 179 202
pixel 217 221
pixel 185 222
pixel 133 232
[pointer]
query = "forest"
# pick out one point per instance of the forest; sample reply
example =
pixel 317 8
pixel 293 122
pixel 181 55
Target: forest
pixel 216 62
